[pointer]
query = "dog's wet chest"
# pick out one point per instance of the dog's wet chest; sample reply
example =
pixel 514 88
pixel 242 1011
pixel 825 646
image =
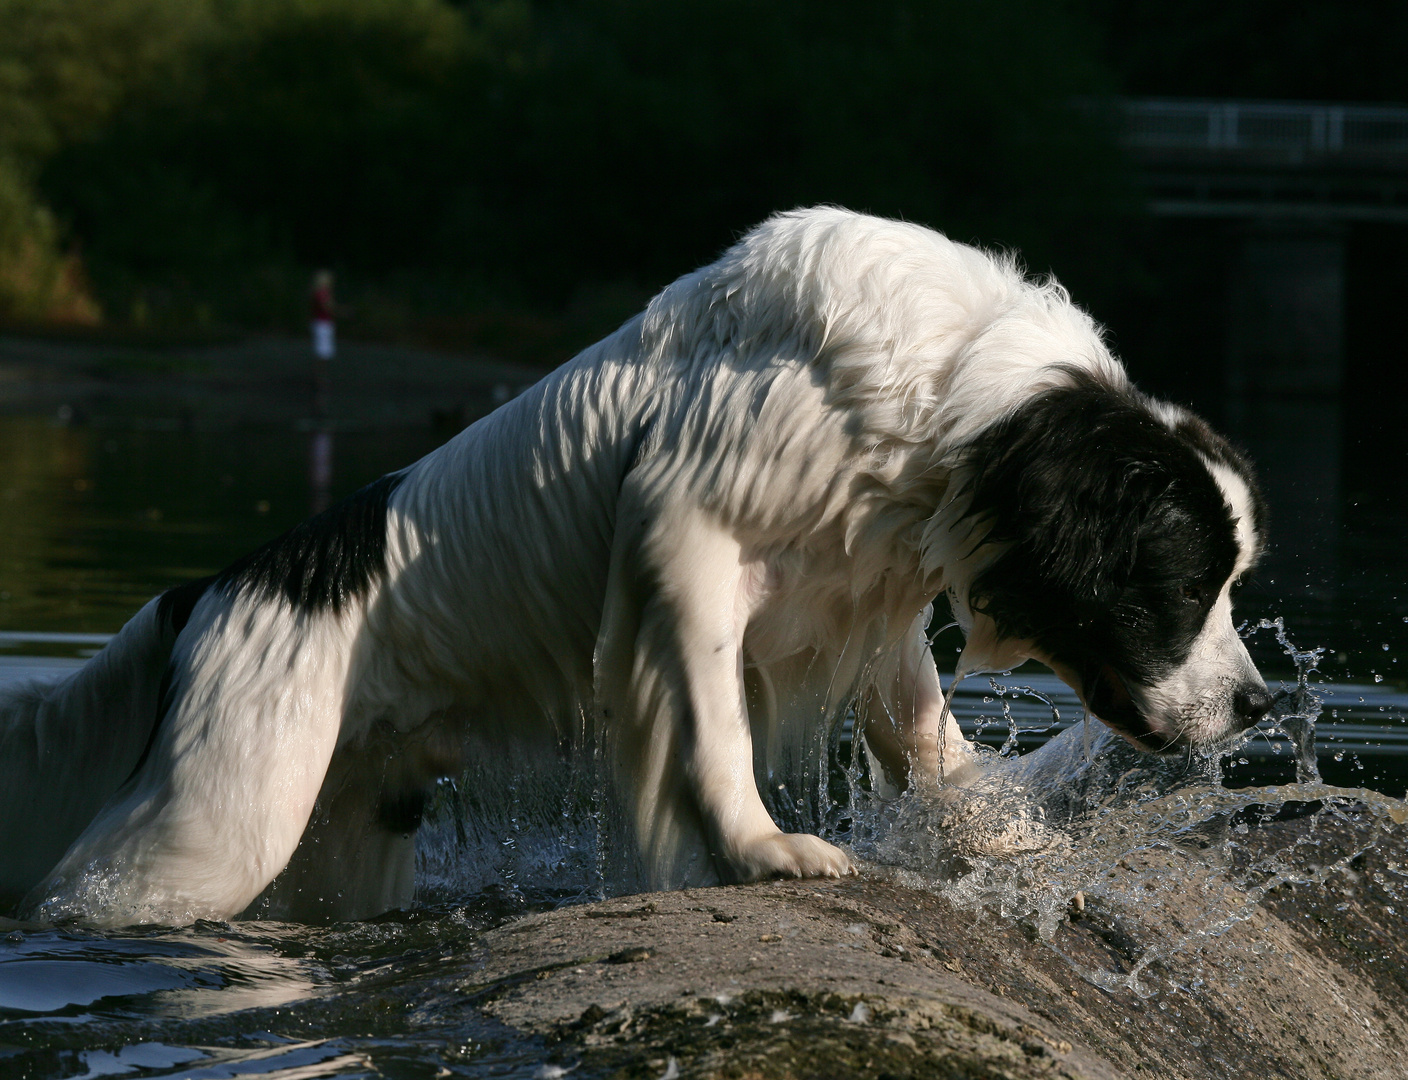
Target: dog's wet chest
pixel 799 602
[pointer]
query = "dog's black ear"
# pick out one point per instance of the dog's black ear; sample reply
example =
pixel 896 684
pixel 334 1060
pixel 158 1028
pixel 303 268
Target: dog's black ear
pixel 1065 485
pixel 1194 430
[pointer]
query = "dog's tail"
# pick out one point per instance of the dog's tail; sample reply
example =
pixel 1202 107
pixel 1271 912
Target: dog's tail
pixel 66 745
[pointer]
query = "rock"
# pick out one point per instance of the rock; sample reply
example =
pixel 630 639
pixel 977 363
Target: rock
pixel 869 978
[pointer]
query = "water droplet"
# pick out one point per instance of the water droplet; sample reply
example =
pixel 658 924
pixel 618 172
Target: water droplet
pixel 1384 646
pixel 1378 678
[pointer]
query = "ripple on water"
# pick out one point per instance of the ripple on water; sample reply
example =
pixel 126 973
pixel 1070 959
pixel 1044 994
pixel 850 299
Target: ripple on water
pixel 193 973
pixel 225 1000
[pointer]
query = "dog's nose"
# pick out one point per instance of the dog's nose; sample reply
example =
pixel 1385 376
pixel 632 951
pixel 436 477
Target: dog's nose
pixel 1251 704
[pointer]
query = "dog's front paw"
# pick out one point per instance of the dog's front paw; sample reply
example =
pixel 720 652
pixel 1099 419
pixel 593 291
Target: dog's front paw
pixel 793 855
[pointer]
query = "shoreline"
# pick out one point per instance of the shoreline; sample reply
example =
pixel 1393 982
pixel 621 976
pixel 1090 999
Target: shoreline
pixel 258 381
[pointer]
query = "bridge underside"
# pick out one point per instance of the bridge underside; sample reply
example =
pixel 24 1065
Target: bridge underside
pixel 1285 184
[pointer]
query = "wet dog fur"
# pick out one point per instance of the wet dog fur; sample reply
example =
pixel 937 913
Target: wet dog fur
pixel 727 520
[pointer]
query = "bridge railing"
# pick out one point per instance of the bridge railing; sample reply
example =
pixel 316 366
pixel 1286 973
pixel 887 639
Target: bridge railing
pixel 1154 124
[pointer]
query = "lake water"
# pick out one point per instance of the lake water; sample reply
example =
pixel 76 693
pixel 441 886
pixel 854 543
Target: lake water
pixel 96 518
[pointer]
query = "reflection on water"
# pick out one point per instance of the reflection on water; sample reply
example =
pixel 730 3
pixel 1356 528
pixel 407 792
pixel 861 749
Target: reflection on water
pixel 320 445
pixel 94 522
pixel 257 999
pixel 53 973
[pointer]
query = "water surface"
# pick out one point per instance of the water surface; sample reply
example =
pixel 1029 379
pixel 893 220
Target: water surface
pixel 97 518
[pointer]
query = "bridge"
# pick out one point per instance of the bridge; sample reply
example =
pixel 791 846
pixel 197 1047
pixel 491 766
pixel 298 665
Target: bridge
pixel 1270 161
pixel 1288 180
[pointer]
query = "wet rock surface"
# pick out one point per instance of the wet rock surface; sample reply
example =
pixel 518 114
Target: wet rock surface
pixel 869 978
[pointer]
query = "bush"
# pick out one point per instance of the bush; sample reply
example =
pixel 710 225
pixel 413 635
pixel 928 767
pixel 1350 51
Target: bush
pixel 504 149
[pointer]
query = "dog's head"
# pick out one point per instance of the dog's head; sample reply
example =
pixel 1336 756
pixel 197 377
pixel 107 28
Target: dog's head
pixel 1116 530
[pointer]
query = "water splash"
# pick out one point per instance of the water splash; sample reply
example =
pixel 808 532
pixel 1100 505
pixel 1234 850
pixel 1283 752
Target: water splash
pixel 1167 855
pixel 523 826
pixel 1158 846
pixel 1298 707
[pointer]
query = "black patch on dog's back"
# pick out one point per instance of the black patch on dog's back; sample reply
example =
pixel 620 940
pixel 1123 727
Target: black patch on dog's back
pixel 318 564
pixel 324 562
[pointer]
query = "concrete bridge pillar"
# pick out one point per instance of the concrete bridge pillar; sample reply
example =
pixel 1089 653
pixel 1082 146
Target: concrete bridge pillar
pixel 1285 370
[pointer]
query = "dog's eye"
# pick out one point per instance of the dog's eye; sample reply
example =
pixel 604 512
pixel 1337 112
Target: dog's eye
pixel 1193 593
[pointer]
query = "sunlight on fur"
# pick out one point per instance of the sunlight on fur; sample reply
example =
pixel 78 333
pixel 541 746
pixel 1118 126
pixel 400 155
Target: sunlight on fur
pixel 690 551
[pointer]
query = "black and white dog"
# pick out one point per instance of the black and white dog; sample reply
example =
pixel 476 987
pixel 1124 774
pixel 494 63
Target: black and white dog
pixel 727 519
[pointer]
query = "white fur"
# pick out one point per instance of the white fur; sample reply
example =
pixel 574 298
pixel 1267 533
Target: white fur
pixel 1193 703
pixel 721 523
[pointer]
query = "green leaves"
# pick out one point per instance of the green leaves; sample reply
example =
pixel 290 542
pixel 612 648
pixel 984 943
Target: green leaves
pixel 538 147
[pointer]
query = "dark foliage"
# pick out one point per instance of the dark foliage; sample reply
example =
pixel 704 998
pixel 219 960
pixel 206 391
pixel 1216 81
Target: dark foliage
pixel 1259 49
pixel 486 162
pixel 527 150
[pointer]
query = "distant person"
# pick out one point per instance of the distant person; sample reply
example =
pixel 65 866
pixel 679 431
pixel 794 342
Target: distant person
pixel 324 338
pixel 324 327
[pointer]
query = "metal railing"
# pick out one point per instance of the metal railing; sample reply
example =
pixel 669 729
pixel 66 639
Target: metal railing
pixel 1154 124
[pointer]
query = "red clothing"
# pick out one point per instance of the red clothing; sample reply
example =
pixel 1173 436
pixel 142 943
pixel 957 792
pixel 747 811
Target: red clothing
pixel 322 304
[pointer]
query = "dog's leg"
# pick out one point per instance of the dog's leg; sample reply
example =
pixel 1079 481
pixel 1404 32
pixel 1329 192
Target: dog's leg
pixel 906 725
pixel 670 684
pixel 357 857
pixel 220 802
pixel 67 745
